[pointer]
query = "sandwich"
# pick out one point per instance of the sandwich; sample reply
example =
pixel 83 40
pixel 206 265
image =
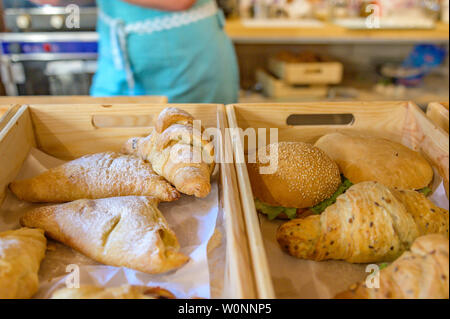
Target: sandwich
pixel 370 223
pixel 305 182
pixel 363 159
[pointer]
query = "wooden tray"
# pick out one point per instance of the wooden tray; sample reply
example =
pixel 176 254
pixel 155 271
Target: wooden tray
pixel 438 113
pixel 6 113
pixel 402 122
pixel 70 131
pixel 277 89
pixel 3 109
pixel 81 99
pixel 307 73
pixel 8 101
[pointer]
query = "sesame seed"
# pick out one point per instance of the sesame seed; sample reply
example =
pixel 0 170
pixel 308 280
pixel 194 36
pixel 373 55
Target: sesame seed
pixel 305 170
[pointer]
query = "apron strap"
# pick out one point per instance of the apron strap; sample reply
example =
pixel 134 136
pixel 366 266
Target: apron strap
pixel 118 38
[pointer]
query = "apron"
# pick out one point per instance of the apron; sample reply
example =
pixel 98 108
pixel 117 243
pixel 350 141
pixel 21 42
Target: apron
pixel 185 56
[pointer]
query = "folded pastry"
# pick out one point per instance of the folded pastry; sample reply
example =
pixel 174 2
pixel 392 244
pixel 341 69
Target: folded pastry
pixel 429 218
pixel 119 231
pixel 21 253
pixel 389 163
pixel 366 224
pixel 421 273
pixel 177 153
pixel 95 176
pixel 121 292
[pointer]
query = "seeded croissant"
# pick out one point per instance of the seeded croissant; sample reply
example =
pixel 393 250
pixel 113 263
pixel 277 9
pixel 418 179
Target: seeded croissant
pixel 429 218
pixel 366 224
pixel 171 149
pixel 421 273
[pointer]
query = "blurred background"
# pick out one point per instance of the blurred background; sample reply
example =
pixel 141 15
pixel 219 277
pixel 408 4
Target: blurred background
pixel 288 50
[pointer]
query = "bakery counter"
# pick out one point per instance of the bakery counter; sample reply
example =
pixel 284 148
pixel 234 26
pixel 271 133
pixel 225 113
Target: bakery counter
pixel 9 100
pixel 331 33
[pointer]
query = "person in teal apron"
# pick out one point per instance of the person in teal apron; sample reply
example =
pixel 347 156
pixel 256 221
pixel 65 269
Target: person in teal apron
pixel 184 55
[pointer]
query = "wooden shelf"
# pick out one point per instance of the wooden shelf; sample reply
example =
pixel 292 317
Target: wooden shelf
pixel 330 33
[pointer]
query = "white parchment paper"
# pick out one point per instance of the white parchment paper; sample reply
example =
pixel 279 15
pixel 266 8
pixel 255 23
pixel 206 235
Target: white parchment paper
pixel 192 219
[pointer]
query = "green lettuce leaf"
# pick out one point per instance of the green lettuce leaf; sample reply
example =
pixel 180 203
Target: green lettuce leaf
pixel 426 191
pixel 272 212
pixel 383 265
pixel 320 208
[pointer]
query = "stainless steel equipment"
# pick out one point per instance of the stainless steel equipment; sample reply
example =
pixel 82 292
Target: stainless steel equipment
pixel 48 63
pixel 50 50
pixel 24 16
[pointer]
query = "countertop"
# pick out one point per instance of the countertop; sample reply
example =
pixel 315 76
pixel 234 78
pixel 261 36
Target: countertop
pixel 329 33
pixel 239 33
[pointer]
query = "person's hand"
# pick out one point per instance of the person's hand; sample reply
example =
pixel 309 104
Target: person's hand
pixel 50 2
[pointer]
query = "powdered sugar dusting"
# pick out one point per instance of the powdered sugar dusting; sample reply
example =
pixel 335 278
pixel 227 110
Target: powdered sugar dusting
pixel 191 219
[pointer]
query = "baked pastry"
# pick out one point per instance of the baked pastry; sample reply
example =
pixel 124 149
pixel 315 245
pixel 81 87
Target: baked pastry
pixel 119 231
pixel 389 163
pixel 95 176
pixel 421 273
pixel 304 177
pixel 429 218
pixel 177 152
pixel 21 253
pixel 121 292
pixel 367 224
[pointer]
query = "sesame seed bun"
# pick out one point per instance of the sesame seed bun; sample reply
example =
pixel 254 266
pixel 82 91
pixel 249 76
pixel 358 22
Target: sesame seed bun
pixel 305 177
pixel 362 159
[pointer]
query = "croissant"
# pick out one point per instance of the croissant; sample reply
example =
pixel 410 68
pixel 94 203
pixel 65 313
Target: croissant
pixel 429 218
pixel 119 231
pixel 95 176
pixel 121 292
pixel 171 148
pixel 366 224
pixel 21 253
pixel 421 273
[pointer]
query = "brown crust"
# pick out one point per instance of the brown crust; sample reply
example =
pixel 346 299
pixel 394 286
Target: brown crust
pixel 170 149
pixel 363 159
pixel 95 176
pixel 366 224
pixel 421 273
pixel 369 223
pixel 157 293
pixel 172 115
pixel 121 292
pixel 21 253
pixel 103 229
pixel 429 218
pixel 305 176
